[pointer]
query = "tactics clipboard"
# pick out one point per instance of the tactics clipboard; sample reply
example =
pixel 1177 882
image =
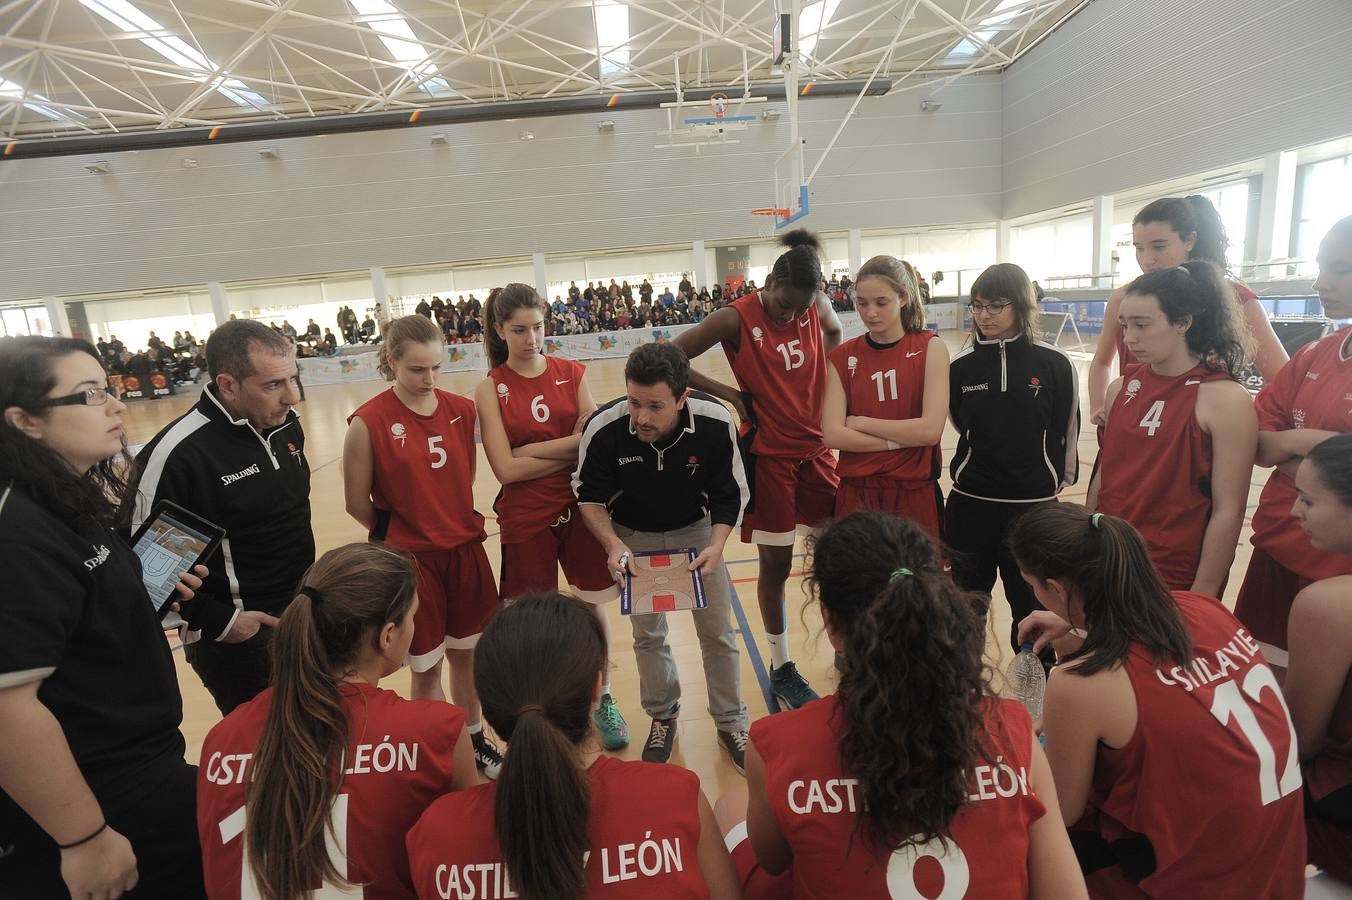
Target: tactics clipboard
pixel 663 582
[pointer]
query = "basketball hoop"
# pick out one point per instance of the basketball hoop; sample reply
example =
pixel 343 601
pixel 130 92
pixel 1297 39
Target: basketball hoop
pixel 719 104
pixel 778 212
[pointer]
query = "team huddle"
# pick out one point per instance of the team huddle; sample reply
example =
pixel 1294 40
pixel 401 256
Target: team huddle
pixel 1183 750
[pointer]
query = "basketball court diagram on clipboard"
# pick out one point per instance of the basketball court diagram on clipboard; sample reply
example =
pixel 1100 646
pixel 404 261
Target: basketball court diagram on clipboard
pixel 662 582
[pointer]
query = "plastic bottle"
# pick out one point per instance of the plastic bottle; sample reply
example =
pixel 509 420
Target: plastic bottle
pixel 1028 679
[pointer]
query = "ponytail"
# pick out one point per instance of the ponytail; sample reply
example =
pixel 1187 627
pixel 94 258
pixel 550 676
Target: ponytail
pixel 1197 290
pixel 800 267
pixel 349 593
pixel 536 667
pixel 914 686
pixel 502 302
pixel 1105 560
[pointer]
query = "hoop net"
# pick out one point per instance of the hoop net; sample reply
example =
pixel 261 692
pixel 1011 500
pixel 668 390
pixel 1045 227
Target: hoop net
pixel 719 104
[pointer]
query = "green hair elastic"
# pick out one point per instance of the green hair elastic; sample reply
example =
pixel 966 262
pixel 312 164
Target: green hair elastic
pixel 897 573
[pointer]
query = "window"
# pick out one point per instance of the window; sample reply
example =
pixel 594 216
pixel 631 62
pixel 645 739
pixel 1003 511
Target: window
pixel 612 36
pixel 1323 196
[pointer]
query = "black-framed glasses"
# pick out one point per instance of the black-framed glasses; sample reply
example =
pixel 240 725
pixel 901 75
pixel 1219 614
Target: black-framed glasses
pixel 95 396
pixel 994 308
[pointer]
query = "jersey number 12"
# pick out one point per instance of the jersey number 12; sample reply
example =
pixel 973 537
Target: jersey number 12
pixel 1227 704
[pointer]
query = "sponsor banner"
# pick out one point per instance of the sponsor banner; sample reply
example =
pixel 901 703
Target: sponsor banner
pixel 156 384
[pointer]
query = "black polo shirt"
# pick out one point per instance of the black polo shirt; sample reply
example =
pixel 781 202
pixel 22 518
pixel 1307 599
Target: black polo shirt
pixel 76 616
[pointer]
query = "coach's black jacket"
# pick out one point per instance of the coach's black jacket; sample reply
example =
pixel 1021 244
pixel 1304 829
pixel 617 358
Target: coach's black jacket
pixel 670 484
pixel 254 485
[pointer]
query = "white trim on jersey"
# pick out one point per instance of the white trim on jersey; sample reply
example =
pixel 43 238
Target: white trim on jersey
pixel 154 468
pixel 735 836
pixel 599 419
pixel 464 643
pixel 1071 468
pixel 713 409
pixel 5 496
pixel 424 662
pixel 779 538
pixel 1275 655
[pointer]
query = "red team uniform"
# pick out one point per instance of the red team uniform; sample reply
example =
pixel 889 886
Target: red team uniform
pixel 1313 390
pixel 540 525
pixel 888 382
pixel 1157 463
pixel 817 807
pixel 1209 784
pixel 423 490
pixel 1125 358
pixel 783 368
pixel 399 759
pixel 1328 781
pixel 640 850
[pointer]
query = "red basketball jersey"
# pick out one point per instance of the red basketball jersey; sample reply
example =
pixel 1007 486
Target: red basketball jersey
pixel 536 409
pixel 423 484
pixel 1155 467
pixel 644 830
pixel 817 806
pixel 1313 390
pixel 1211 777
pixel 886 383
pixel 399 759
pixel 1126 359
pixel 783 368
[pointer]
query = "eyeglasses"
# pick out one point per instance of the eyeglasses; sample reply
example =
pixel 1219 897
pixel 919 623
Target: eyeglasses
pixel 96 396
pixel 994 309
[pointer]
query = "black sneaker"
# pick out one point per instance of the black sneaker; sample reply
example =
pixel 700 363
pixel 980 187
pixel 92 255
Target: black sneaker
pixel 790 688
pixel 735 743
pixel 661 740
pixel 486 755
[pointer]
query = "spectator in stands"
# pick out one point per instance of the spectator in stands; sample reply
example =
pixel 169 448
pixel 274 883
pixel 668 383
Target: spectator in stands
pixel 423 308
pixel 1038 292
pixel 470 327
pixel 311 332
pixel 685 287
pixel 329 344
pixel 573 292
pixel 288 331
pixel 590 293
pixel 924 289
pixel 450 325
pixel 557 308
pixel 153 342
pixel 667 298
pixel 475 308
pixel 627 292
pixel 105 351
pixel 438 306
pixel 614 290
pixel 180 343
pixel 623 316
pixel 368 328
pixel 645 292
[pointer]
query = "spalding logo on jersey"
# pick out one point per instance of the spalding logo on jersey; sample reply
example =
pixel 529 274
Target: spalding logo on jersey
pixel 397 429
pixel 852 363
pixel 503 392
pixel 1132 387
pixel 757 335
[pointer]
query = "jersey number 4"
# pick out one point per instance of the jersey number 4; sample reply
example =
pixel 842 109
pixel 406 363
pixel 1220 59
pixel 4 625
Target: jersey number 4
pixel 1153 418
pixel 1227 704
pixel 335 841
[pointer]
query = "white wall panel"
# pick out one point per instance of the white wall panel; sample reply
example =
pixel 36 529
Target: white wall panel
pixel 1133 92
pixel 348 202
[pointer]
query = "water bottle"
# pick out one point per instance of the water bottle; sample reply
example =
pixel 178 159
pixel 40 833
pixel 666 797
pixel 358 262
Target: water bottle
pixel 1028 679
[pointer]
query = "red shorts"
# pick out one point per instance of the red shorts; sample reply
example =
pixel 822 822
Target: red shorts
pixel 456 598
pixel 921 503
pixel 789 493
pixel 757 884
pixel 1264 603
pixel 533 564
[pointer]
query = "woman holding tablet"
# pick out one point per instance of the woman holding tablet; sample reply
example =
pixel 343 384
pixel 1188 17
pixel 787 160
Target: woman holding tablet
pixel 95 797
pixel 1166 731
pixel 1180 433
pixel 320 776
pixel 531 408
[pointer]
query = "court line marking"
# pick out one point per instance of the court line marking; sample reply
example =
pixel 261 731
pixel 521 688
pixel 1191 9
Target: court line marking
pixel 752 651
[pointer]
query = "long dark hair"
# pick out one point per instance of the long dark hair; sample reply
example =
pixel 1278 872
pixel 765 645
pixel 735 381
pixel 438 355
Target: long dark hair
pixel 298 766
pixel 914 682
pixel 498 308
pixel 799 268
pixel 1106 561
pixel 1189 216
pixel 1006 281
pixel 536 667
pixel 27 376
pixel 1198 289
pixel 1332 461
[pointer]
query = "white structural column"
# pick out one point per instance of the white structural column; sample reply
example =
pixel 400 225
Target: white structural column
pixel 1103 240
pixel 856 251
pixel 220 308
pixel 541 277
pixel 379 293
pixel 56 313
pixel 1003 240
pixel 699 265
pixel 1276 207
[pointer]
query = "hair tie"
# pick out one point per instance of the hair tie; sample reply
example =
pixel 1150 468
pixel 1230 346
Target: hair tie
pixel 312 593
pixel 530 707
pixel 897 573
pixel 1095 519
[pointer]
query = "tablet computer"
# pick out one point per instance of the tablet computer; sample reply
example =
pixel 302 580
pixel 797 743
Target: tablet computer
pixel 662 582
pixel 170 541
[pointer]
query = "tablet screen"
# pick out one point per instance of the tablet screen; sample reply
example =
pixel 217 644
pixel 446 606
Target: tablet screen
pixel 168 546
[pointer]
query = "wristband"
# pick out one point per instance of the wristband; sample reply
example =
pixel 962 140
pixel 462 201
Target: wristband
pixel 85 840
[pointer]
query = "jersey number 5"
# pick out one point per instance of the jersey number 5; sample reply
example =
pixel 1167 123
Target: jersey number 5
pixel 438 453
pixel 335 841
pixel 1227 704
pixel 793 355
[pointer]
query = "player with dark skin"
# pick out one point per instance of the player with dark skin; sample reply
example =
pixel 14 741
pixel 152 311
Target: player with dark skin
pixel 783 301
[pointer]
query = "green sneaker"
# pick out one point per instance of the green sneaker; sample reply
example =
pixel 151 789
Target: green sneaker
pixel 614 731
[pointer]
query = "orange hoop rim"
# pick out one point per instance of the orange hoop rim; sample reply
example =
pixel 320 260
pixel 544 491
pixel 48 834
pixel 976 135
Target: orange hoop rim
pixel 713 104
pixel 778 212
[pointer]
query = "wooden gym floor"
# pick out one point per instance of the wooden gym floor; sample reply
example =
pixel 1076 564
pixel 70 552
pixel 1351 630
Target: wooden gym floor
pixel 324 413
